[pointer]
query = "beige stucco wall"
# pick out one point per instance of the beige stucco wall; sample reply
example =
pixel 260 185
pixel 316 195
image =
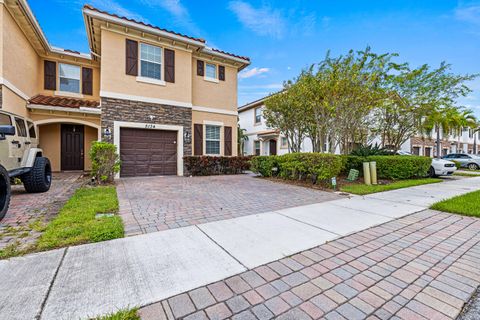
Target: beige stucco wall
pixel 227 120
pixel 50 141
pixel 221 95
pixel 11 102
pixel 21 64
pixel 114 79
pixel 90 135
pixel 38 116
pixel 96 77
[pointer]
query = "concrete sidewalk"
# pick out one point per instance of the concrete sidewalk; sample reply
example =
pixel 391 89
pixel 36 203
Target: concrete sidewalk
pixel 89 280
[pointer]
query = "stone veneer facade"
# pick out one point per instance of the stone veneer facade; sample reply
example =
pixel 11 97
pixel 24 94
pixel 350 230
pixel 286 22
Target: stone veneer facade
pixel 138 111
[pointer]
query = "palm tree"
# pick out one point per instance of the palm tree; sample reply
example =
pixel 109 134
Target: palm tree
pixel 441 119
pixel 241 139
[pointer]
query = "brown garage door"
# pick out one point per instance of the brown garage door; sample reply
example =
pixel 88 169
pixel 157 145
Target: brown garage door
pixel 146 152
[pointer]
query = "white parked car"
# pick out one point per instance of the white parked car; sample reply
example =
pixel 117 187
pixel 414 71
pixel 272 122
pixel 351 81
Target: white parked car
pixel 441 167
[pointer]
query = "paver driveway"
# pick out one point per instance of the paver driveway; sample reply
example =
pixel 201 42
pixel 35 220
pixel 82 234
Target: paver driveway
pixel 150 204
pixel 423 266
pixel 28 211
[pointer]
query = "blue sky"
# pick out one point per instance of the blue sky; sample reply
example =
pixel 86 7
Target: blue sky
pixel 282 37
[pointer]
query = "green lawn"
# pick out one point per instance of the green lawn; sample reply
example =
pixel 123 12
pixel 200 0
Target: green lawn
pixel 467 204
pixel 121 315
pixel 363 189
pixel 76 223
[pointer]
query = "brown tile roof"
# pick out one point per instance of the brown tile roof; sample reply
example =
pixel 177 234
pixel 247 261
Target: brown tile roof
pixel 63 102
pixel 87 6
pixel 231 54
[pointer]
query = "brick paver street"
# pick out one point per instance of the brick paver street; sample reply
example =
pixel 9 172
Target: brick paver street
pixel 157 203
pixel 422 266
pixel 29 212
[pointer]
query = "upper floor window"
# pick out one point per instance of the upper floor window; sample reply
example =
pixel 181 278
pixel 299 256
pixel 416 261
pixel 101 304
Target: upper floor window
pixel 212 139
pixel 69 78
pixel 211 71
pixel 150 61
pixel 258 115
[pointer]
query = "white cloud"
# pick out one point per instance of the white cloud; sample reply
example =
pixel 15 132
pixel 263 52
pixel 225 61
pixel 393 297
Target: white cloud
pixel 263 21
pixel 248 73
pixel 469 13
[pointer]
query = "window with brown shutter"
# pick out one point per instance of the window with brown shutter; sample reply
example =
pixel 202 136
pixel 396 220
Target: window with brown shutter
pixel 87 81
pixel 198 139
pixel 169 65
pixel 200 68
pixel 131 63
pixel 221 73
pixel 227 140
pixel 49 75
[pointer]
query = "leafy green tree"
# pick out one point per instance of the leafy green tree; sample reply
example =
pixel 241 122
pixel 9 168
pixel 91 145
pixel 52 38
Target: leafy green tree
pixel 285 111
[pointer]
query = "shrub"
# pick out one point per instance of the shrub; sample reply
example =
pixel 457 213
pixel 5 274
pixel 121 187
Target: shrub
pixel 391 167
pixel 210 165
pixel 401 167
pixel 458 164
pixel 264 165
pixel 105 161
pixel 299 166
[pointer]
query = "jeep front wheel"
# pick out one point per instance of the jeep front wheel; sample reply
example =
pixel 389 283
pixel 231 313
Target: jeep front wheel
pixel 4 192
pixel 39 178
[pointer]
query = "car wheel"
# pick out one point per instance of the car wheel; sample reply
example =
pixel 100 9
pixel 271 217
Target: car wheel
pixel 473 166
pixel 4 192
pixel 39 178
pixel 431 172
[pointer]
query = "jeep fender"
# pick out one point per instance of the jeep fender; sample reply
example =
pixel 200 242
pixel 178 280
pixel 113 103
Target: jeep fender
pixel 29 157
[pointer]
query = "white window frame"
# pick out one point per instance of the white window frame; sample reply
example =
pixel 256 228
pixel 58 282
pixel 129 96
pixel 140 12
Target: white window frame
pixel 72 93
pixel 207 78
pixel 255 116
pixel 219 139
pixel 146 79
pixel 259 147
pixel 283 145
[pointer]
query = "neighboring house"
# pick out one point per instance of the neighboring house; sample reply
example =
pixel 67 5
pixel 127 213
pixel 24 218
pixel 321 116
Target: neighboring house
pixel 263 140
pixel 270 141
pixel 156 94
pixel 455 142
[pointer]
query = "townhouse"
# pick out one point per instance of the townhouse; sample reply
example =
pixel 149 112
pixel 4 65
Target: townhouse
pixel 156 94
pixel 263 140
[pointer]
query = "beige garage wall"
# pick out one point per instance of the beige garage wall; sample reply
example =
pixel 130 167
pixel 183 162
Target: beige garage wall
pixel 221 95
pixel 114 79
pixel 228 121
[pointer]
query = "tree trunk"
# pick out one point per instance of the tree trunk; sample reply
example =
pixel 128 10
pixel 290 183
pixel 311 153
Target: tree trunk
pixel 438 142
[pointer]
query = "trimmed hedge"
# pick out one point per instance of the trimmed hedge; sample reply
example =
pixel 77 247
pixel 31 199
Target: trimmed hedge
pixel 321 166
pixel 299 166
pixel 264 165
pixel 392 167
pixel 209 165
